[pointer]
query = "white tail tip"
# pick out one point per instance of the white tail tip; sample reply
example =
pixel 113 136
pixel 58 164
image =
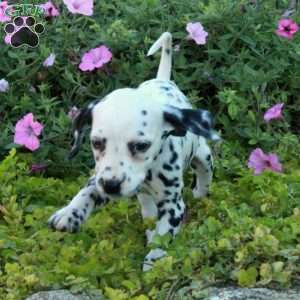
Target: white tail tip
pixel 165 37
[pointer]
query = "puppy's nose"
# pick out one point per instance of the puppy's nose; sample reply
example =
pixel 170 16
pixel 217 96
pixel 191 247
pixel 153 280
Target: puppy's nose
pixel 112 186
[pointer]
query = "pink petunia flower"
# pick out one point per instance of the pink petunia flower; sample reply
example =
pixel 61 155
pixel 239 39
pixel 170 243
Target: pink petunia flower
pixel 3 16
pixel 287 28
pixel 275 112
pixel 4 85
pixel 73 112
pixel 27 131
pixel 259 161
pixel 95 58
pixel 7 39
pixel 49 9
pixel 196 33
pixel 83 7
pixel 49 61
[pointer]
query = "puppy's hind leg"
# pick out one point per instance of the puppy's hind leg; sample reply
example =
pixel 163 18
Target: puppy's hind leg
pixel 202 164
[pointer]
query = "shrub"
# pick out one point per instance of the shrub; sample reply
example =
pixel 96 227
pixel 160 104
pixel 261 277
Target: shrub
pixel 242 70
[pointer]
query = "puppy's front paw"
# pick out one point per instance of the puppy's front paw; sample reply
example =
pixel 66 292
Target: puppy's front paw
pixel 151 257
pixel 66 219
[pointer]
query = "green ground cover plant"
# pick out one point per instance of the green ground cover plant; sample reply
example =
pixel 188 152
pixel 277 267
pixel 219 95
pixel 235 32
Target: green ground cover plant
pixel 246 232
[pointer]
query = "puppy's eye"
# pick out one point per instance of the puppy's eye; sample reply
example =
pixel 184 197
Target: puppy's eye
pixel 99 144
pixel 135 147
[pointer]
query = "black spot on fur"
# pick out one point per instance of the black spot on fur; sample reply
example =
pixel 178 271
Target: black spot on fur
pixel 168 51
pixel 149 175
pixel 173 157
pixel 75 214
pixel 191 153
pixel 172 212
pixel 174 221
pixel 171 231
pixel 141 133
pixel 174 153
pixel 208 157
pixel 121 163
pixel 194 181
pixel 167 167
pixel 97 199
pixel 144 112
pixel 167 192
pixel 160 204
pixel 177 167
pixel 161 213
pixel 84 210
pixel 165 88
pixel 167 182
pixel 107 168
pixel 144 123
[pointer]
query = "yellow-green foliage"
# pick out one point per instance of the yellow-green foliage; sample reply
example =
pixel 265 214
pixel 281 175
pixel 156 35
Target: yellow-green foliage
pixel 247 231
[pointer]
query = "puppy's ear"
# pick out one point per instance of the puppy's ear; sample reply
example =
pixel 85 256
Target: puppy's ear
pixel 83 119
pixel 197 121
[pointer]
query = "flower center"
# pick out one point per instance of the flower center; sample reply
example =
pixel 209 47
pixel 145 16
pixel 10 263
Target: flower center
pixel 96 58
pixel 287 28
pixel 76 4
pixel 30 131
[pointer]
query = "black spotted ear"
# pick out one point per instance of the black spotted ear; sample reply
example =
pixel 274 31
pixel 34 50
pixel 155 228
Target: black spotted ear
pixel 83 119
pixel 197 121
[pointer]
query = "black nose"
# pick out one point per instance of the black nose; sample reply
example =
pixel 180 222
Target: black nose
pixel 112 186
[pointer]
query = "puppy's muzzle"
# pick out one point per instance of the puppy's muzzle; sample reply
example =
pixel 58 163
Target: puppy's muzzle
pixel 111 186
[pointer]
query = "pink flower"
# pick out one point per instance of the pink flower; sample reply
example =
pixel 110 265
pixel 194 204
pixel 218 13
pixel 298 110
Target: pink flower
pixel 84 7
pixel 275 112
pixel 259 161
pixel 7 39
pixel 49 61
pixel 4 85
pixel 37 168
pixel 95 58
pixel 3 16
pixel 49 9
pixel 27 132
pixel 197 33
pixel 287 28
pixel 73 112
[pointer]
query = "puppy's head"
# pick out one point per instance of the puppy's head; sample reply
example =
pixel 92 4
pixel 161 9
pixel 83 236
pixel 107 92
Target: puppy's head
pixel 128 131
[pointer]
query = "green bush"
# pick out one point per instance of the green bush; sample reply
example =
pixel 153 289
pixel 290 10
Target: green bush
pixel 245 232
pixel 242 70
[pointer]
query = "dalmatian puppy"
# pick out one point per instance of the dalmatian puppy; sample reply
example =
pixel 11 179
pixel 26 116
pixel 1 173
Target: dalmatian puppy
pixel 142 140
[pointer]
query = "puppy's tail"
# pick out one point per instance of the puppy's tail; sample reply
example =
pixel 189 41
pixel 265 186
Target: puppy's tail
pixel 165 65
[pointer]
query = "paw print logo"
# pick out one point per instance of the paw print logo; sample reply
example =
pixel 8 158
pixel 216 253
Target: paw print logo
pixel 24 31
